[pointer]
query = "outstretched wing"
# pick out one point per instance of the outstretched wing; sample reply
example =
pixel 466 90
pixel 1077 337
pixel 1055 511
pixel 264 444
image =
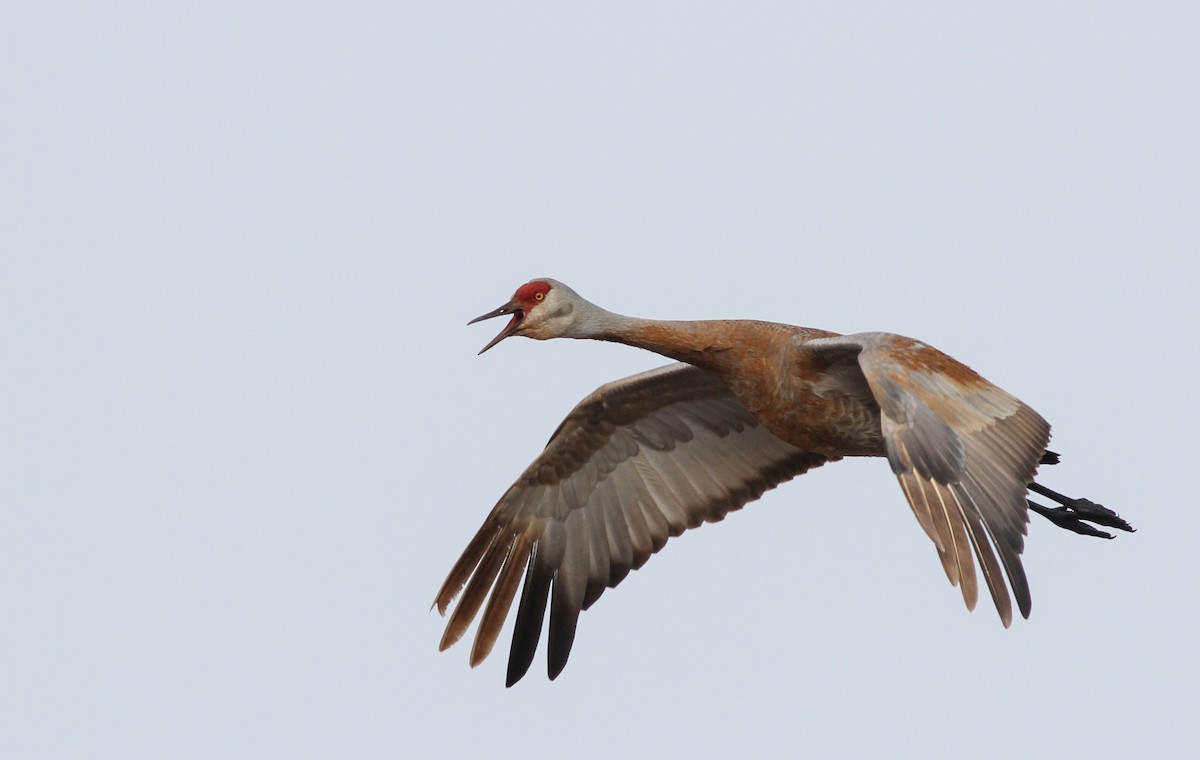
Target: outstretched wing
pixel 636 462
pixel 963 450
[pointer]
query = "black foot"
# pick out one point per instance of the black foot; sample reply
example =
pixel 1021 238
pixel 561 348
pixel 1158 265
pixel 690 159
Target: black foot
pixel 1074 512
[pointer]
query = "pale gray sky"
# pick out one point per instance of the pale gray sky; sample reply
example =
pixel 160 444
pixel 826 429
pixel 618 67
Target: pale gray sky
pixel 245 433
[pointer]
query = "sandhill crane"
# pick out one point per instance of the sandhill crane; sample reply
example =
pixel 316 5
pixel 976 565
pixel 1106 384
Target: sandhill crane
pixel 749 406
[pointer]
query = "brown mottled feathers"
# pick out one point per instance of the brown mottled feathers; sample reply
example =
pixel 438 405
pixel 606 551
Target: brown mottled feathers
pixel 963 450
pixel 636 462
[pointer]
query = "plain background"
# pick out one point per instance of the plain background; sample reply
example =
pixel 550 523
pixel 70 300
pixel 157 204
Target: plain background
pixel 245 433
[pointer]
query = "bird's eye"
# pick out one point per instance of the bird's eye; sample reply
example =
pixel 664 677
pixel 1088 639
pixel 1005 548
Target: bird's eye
pixel 538 296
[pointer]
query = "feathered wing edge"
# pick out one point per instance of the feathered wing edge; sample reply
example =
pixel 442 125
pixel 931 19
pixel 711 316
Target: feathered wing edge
pixel 636 463
pixel 983 510
pixel 963 451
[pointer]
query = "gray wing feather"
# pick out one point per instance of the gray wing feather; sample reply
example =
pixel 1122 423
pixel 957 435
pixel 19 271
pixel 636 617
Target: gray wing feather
pixel 635 463
pixel 964 452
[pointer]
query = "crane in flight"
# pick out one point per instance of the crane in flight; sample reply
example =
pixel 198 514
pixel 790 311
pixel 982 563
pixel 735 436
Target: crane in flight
pixel 747 406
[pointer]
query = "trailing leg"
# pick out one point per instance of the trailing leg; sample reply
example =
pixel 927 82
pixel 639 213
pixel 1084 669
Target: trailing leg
pixel 1074 512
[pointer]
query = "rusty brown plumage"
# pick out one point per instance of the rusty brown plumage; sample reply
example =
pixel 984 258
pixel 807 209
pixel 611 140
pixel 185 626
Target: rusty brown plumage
pixel 752 405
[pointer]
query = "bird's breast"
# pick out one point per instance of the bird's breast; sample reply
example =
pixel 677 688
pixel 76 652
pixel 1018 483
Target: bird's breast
pixel 833 426
pixel 834 416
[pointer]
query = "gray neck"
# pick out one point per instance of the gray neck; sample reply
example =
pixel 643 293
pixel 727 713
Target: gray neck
pixel 685 341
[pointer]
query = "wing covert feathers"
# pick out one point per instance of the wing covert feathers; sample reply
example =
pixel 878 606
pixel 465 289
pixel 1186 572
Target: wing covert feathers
pixel 964 452
pixel 635 463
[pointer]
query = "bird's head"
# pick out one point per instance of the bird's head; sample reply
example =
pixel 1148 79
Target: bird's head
pixel 540 309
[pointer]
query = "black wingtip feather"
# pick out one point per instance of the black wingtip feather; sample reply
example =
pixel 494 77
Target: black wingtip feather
pixel 563 619
pixel 528 627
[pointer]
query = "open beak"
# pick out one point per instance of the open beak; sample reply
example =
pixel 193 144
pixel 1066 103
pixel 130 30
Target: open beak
pixel 509 329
